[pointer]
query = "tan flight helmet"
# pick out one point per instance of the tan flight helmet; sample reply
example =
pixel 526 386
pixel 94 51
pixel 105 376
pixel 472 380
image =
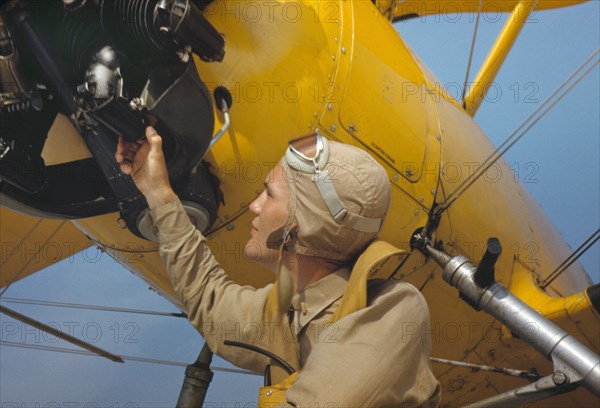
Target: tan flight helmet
pixel 339 197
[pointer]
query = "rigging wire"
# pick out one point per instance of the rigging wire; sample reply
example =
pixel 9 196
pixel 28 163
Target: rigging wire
pixel 464 90
pixel 124 357
pixel 570 259
pixel 24 266
pixel 509 142
pixel 90 307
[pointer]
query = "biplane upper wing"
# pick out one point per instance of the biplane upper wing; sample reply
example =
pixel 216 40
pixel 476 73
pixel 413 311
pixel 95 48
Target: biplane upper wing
pixel 398 10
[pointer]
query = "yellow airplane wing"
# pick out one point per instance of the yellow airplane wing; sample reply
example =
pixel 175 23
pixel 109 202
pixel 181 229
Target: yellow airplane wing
pixel 30 244
pixel 398 10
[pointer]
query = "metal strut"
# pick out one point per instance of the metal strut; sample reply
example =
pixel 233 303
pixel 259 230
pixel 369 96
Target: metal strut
pixel 197 379
pixel 574 363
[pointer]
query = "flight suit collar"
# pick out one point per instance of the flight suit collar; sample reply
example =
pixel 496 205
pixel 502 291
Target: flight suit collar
pixel 317 296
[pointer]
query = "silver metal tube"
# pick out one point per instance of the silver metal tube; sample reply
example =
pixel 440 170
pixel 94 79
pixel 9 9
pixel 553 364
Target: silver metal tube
pixel 224 128
pixel 578 357
pixel 543 335
pixel 221 131
pixel 528 324
pixel 553 342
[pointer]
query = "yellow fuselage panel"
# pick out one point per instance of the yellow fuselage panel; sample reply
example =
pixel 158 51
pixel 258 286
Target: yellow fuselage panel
pixel 278 64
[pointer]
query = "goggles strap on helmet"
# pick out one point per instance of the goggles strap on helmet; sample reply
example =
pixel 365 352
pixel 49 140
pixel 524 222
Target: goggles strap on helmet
pixel 366 224
pixel 325 186
pixel 285 285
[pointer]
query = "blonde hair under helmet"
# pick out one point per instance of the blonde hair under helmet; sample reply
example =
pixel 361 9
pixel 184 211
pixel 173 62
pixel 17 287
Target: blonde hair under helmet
pixel 339 196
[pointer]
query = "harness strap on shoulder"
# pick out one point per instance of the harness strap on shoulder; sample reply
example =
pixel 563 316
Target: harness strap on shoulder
pixel 273 395
pixel 355 295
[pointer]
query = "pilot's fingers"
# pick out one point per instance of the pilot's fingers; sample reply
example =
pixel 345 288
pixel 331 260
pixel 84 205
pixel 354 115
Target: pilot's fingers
pixel 129 155
pixel 120 149
pixel 135 146
pixel 154 139
pixel 126 167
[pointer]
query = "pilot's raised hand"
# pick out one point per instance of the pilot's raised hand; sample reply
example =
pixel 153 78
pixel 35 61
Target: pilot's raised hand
pixel 145 163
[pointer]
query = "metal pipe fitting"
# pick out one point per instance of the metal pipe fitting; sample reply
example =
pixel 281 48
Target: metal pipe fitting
pixel 569 356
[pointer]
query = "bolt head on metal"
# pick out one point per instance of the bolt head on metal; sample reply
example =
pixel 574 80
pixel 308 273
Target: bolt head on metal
pixel 135 104
pixel 560 378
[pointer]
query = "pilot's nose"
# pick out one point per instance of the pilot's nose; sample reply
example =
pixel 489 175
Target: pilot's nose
pixel 256 206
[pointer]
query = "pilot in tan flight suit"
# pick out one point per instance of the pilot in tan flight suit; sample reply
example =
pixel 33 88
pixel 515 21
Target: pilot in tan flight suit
pixel 345 338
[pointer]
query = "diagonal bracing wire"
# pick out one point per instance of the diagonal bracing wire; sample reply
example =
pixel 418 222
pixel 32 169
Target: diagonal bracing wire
pixel 24 266
pixel 126 358
pixel 89 307
pixel 570 259
pixel 514 137
pixel 464 89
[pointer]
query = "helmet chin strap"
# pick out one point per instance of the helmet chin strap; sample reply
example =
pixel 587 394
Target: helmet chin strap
pixel 282 239
pixel 275 238
pixel 286 285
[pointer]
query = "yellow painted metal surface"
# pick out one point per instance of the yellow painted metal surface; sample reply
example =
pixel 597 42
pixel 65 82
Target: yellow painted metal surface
pixel 412 8
pixel 279 66
pixel 394 89
pixel 569 312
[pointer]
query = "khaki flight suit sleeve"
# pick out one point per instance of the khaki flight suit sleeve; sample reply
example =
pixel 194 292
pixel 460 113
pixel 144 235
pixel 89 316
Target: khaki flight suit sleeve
pixel 218 307
pixel 375 357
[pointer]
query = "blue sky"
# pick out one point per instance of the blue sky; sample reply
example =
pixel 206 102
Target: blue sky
pixel 558 162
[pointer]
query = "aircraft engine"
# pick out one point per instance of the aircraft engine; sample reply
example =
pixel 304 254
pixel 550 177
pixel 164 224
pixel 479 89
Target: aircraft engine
pixel 113 68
